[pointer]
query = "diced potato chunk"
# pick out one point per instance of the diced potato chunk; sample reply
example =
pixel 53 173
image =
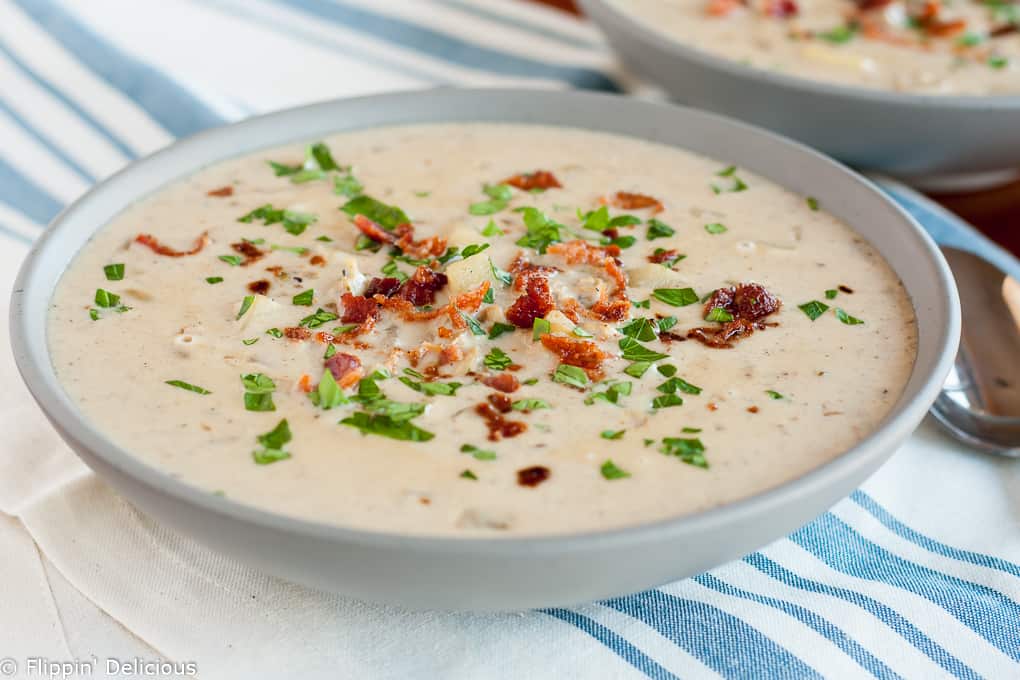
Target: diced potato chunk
pixel 463 236
pixel 350 280
pixel 264 313
pixel 655 276
pixel 467 275
pixel 559 323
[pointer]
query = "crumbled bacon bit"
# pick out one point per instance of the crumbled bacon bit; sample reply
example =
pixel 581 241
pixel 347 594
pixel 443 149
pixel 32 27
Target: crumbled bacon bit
pixel 626 200
pixel 346 368
pixel 1003 30
pixel 613 306
pixel 752 409
pixel 357 309
pixel 781 9
pixel 222 192
pixel 305 383
pixel 153 244
pixel 718 8
pixel 297 333
pixel 667 337
pixel 260 287
pixel 540 179
pixel 317 260
pixel 536 302
pixel 501 402
pixel 533 476
pixel 504 382
pixel 249 251
pixel 581 353
pixel 662 255
pixel 499 426
pixel 868 5
pixel 386 286
pixel 433 246
pixel 373 230
pixel 422 287
pixel 747 303
pixel 846 289
pixel 523 271
pixel 277 271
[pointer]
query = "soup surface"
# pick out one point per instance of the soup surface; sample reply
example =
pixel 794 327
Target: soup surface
pixel 479 328
pixel 957 47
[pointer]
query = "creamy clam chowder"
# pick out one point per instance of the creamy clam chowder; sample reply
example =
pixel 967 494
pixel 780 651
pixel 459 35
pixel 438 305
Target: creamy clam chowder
pixel 481 329
pixel 950 47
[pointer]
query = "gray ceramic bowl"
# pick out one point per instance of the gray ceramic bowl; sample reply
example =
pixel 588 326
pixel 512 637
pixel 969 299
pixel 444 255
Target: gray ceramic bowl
pixel 922 138
pixel 498 573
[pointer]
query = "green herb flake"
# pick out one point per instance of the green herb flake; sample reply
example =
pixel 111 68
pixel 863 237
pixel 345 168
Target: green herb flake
pixel 614 390
pixel 638 368
pixel 232 260
pixel 847 319
pixel 385 425
pixel 347 185
pixel 542 232
pixel 293 222
pixel 529 405
pixel 612 434
pixel 272 444
pixel 492 230
pixel 635 351
pixel 324 239
pixel 539 328
pixel 718 314
pixel 839 35
pixel 570 375
pixel 579 332
pixel 640 329
pixel 715 228
pixel 499 328
pixel 275 332
pixel 106 299
pixel 249 341
pixel 641 304
pixel 432 388
pixel 477 453
pixel 831 294
pixel 690 451
pixel 214 279
pixel 737 185
pixel 304 298
pixel 675 297
pixel 504 277
pixel 320 317
pixel 773 394
pixel 467 474
pixel 666 370
pixel 611 471
pixel 328 393
pixel 188 386
pixel 246 304
pixel 94 314
pixel 675 384
pixel 658 229
pixel 813 309
pixel 691 430
pixel 497 359
pixel 812 202
pixel 472 323
pixel 667 400
pixel 386 216
pixel 114 272
pixel 998 61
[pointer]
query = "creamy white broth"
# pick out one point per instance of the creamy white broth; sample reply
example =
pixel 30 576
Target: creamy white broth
pixel 836 381
pixel 971 48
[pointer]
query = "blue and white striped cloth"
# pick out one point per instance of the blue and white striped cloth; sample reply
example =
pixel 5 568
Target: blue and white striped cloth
pixel 916 575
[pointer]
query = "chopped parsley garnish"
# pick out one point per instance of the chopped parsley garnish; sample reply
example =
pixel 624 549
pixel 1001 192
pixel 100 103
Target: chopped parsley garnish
pixel 504 277
pixel 275 332
pixel 529 404
pixel 387 426
pixel 249 341
pixel 666 370
pixel 612 434
pixel 676 297
pixel 499 196
pixel 272 444
pixel 214 279
pixel 635 351
pixel 614 390
pixel 543 231
pixel 641 329
pixel 638 368
pixel 297 250
pixel 391 269
pixel 641 304
pixel 622 242
pixel 304 298
pixel 386 216
pixel 324 239
pixel 346 328
pixel 530 381
pixel 432 388
pixel 571 375
pixel 347 186
pixel 477 453
pixel 499 328
pixel 423 194
pixel 94 314
pixel 718 314
pixel 473 249
pixel 599 220
pixel 667 262
pixel 232 260
pixel 812 202
pixel 580 332
pixel 320 317
pixel 497 359
pixel 363 242
pixel 675 384
pixel 489 296
pixel 658 229
pixel 114 272
pixel 610 470
pixel 773 394
pixel 540 327
pixel 738 184
pixel 293 222
pixel 258 394
pixel 472 323
pixel 839 35
pixel 998 61
pixel 320 154
pixel 690 451
pixel 328 394
pixel 106 299
pixel 245 305
pixel 691 430
pixel 831 294
pixel 715 228
pixel 667 400
pixel 188 386
pixel 813 309
pixel 467 474
pixel 492 230
pixel 846 318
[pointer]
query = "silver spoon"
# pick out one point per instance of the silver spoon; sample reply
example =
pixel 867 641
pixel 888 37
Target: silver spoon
pixel 980 400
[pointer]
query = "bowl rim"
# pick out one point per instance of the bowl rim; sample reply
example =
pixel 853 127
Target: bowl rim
pixel 37 371
pixel 677 49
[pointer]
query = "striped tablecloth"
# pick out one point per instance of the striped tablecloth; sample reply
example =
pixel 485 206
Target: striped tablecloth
pixel 915 575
